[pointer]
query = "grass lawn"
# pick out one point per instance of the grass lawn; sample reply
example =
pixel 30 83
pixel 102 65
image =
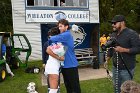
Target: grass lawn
pixel 18 84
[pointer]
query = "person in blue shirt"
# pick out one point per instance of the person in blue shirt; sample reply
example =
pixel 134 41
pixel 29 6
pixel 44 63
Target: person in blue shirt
pixel 3 54
pixel 70 69
pixel 3 49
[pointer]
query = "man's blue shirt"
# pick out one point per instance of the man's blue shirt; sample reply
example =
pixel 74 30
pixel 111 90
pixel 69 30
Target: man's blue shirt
pixel 67 40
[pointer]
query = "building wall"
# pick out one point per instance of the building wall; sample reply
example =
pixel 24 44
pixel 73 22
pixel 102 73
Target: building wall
pixel 94 11
pixel 32 30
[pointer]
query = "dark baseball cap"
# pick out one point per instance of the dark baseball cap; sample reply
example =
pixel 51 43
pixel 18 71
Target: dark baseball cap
pixel 118 18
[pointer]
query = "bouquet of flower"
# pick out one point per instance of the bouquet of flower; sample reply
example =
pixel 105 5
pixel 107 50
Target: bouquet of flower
pixel 58 49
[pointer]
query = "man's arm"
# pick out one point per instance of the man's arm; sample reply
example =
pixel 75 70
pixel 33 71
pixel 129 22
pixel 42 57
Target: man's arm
pixel 121 49
pixel 63 37
pixel 135 43
pixel 50 52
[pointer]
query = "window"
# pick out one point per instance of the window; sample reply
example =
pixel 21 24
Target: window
pixel 30 2
pixel 40 2
pixel 58 3
pixel 83 3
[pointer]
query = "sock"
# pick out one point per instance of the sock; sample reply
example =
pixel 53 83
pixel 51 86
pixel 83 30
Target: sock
pixel 53 90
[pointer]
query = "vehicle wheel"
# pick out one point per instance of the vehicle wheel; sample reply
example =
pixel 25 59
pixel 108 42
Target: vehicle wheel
pixel 15 63
pixel 2 73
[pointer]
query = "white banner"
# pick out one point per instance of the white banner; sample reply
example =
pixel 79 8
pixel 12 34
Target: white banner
pixel 55 15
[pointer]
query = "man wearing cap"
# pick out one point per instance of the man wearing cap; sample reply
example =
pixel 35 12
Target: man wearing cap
pixel 128 45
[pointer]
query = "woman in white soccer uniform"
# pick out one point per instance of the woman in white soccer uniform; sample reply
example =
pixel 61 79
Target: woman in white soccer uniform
pixel 52 66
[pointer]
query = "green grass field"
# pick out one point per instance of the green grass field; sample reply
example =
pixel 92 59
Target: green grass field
pixel 18 84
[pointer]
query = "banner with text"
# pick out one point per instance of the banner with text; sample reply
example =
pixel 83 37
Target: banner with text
pixel 49 16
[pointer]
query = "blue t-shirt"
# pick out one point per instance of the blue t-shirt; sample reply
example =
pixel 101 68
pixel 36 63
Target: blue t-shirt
pixel 67 40
pixel 3 49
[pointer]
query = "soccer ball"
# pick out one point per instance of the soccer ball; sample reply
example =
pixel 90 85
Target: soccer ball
pixel 31 88
pixel 36 70
pixel 74 27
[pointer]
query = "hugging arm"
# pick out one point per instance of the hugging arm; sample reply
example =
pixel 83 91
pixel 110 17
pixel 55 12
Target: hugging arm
pixel 50 52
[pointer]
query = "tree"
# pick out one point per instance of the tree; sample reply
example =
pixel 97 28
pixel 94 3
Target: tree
pixel 6 16
pixel 109 8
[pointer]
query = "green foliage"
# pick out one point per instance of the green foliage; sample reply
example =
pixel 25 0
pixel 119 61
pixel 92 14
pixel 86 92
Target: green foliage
pixel 6 16
pixel 130 9
pixel 137 71
pixel 105 27
pixel 19 83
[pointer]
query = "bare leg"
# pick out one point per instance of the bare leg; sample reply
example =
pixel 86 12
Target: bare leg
pixel 53 81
